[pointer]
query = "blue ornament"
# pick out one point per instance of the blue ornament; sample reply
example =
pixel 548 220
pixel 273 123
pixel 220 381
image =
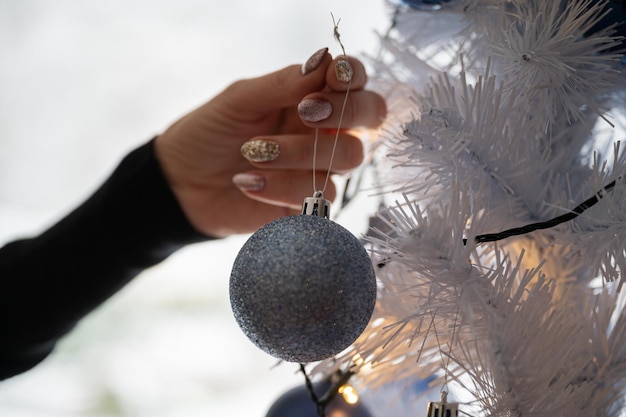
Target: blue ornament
pixel 297 402
pixel 303 288
pixel 425 5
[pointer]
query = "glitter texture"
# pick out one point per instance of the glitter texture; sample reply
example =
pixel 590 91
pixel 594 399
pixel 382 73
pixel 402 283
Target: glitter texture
pixel 315 109
pixel 249 181
pixel 302 288
pixel 260 150
pixel 343 71
pixel 314 61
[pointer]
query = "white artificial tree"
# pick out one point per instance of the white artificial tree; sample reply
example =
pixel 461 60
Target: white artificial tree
pixel 503 113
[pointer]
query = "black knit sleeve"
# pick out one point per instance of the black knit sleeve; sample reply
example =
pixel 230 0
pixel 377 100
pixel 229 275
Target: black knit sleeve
pixel 49 282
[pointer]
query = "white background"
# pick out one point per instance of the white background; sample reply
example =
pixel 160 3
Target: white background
pixel 82 82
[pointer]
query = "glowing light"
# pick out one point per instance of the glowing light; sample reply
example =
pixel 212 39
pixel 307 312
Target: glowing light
pixel 349 394
pixel 358 360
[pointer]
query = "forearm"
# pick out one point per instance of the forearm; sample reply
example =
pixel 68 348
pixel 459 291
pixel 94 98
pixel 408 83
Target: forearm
pixel 49 282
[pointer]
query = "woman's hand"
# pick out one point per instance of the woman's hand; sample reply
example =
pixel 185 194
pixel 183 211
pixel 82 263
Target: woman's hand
pixel 221 191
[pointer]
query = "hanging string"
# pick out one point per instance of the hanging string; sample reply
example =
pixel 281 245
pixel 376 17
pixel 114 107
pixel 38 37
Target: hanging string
pixel 337 37
pixel 445 363
pixel 343 377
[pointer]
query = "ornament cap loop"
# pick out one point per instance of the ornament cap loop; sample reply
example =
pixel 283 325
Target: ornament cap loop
pixel 316 206
pixel 442 408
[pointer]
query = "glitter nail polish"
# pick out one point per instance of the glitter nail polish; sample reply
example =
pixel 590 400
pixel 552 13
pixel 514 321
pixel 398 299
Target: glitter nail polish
pixel 314 61
pixel 260 150
pixel 315 109
pixel 343 70
pixel 249 182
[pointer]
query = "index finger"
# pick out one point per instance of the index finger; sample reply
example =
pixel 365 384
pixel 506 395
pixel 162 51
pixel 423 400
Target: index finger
pixel 276 90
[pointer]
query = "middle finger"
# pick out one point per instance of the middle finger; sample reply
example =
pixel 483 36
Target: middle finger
pixel 362 109
pixel 295 152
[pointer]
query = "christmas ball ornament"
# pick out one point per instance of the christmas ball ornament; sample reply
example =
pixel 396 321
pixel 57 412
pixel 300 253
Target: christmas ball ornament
pixel 297 402
pixel 303 288
pixel 425 5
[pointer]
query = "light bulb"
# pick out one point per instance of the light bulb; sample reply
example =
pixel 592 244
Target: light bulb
pixel 298 402
pixel 349 394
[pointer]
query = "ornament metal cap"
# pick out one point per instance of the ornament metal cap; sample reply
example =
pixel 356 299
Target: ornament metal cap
pixel 316 205
pixel 442 408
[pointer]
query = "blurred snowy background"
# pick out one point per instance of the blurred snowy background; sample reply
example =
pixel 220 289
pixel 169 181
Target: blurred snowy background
pixel 82 82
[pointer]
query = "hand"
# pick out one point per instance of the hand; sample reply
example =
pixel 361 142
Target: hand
pixel 201 158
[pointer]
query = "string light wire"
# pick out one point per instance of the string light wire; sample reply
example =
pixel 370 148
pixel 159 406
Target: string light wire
pixel 575 212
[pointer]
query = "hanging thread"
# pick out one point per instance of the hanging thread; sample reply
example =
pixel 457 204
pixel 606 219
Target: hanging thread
pixel 337 37
pixel 322 402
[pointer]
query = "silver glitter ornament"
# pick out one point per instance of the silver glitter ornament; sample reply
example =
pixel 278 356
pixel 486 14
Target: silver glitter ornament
pixel 303 288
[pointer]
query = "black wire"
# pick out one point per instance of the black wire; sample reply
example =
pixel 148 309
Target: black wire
pixel 576 211
pixel 321 408
pixel 321 402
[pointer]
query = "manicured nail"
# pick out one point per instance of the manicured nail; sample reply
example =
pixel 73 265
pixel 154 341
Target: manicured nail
pixel 343 70
pixel 249 182
pixel 260 150
pixel 314 61
pixel 315 109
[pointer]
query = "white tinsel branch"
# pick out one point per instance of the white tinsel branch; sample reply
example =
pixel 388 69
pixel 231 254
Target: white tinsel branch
pixel 501 136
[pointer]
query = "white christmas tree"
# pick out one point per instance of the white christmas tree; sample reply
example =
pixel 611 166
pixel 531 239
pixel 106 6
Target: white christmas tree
pixel 502 115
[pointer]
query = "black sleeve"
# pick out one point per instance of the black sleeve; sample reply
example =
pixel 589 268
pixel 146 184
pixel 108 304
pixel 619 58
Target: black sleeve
pixel 49 282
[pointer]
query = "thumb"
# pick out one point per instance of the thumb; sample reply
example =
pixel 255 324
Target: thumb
pixel 278 89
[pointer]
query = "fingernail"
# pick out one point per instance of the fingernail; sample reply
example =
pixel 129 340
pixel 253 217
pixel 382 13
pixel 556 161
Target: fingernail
pixel 260 150
pixel 343 70
pixel 315 109
pixel 249 182
pixel 314 61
